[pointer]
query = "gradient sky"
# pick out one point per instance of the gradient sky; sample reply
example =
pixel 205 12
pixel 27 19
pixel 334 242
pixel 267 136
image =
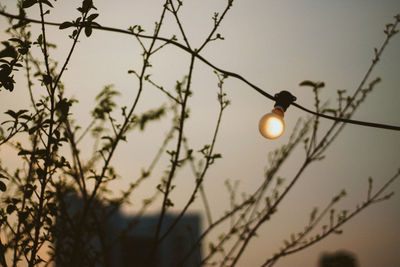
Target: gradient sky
pixel 275 45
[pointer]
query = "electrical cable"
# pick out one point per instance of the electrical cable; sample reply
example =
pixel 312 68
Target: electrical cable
pixel 363 123
pixel 228 73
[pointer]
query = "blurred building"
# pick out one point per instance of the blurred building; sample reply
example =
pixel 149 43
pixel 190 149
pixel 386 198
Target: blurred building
pixel 338 259
pixel 117 240
pixel 135 246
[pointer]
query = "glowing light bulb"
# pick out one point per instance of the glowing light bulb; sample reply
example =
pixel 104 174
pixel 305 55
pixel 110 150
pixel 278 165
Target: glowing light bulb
pixel 271 125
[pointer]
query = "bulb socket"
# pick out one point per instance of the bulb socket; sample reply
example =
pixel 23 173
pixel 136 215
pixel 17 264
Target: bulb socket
pixel 283 100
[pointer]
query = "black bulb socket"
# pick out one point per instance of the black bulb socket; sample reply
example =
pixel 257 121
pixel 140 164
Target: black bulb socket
pixel 283 100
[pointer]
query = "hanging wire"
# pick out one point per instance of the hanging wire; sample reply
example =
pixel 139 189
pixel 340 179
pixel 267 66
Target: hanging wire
pixel 228 73
pixel 363 123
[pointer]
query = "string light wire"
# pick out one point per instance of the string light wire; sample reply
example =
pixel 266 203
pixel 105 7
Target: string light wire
pixel 228 73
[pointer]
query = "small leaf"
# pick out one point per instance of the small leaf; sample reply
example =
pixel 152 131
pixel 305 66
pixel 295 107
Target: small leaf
pixel 86 5
pixel 24 152
pixel 11 208
pixel 88 31
pixel 22 216
pixel 92 17
pixel 169 203
pixel 28 193
pixel 66 25
pixel 308 83
pixel 16 40
pixel 47 2
pixel 20 112
pixel 47 79
pixel 3 186
pixel 313 214
pixel 23 51
pixel 28 3
pixel 8 51
pixel 11 113
pixel 40 39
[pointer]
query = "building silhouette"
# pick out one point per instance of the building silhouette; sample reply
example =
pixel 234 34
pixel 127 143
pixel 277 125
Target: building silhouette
pixel 113 239
pixel 338 259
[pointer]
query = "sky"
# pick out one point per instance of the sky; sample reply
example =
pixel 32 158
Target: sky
pixel 275 45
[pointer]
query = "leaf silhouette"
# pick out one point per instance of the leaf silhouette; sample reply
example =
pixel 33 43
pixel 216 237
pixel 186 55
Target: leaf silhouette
pixel 65 25
pixel 28 3
pixel 308 83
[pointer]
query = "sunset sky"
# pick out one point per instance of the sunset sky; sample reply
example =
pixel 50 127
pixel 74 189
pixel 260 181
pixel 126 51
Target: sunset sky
pixel 275 45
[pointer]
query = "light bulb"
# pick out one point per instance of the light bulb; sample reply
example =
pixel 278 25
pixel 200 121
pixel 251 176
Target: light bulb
pixel 271 125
